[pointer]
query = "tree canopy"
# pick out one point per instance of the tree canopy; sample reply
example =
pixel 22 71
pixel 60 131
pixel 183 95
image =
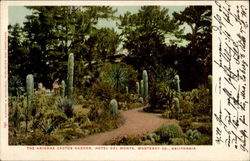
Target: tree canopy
pixel 41 46
pixel 144 35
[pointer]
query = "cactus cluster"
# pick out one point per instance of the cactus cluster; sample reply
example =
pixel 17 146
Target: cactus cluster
pixel 142 87
pixel 70 75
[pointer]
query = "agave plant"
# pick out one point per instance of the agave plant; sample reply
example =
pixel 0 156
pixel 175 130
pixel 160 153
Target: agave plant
pixel 117 76
pixel 50 120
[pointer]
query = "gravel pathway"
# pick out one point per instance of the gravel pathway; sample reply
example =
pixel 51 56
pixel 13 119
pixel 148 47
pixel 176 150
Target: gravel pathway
pixel 137 122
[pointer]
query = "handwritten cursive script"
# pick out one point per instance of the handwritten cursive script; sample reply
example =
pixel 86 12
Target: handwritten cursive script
pixel 230 61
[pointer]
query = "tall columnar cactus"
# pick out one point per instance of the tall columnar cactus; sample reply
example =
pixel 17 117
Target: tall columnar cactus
pixel 141 87
pixel 176 104
pixel 210 80
pixel 113 106
pixel 177 84
pixel 70 75
pixel 63 85
pixel 126 90
pixel 30 97
pixel 137 88
pixel 30 89
pixel 145 83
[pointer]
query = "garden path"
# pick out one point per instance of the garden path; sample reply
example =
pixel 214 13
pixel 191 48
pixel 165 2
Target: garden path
pixel 136 122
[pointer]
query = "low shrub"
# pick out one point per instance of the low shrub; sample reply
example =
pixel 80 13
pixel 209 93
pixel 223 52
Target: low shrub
pixel 202 100
pixel 126 140
pixel 167 114
pixel 96 110
pixel 48 120
pixel 101 114
pixel 172 114
pixel 186 106
pixel 66 106
pixel 40 138
pixel 185 124
pixel 177 141
pixel 70 130
pixel 102 91
pixel 204 128
pixel 205 118
pixel 81 118
pixel 161 97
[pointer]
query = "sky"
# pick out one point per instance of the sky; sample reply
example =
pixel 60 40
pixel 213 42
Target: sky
pixel 17 14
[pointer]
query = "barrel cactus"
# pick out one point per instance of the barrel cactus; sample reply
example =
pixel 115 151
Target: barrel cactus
pixel 177 84
pixel 210 80
pixel 70 75
pixel 30 90
pixel 170 131
pixel 141 87
pixel 113 106
pixel 63 85
pixel 145 83
pixel 137 88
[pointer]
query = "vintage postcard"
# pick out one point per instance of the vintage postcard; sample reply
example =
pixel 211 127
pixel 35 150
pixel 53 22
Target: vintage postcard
pixel 124 80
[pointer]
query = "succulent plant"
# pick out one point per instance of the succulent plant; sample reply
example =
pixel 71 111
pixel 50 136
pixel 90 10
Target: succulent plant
pixel 176 104
pixel 137 88
pixel 70 76
pixel 63 85
pixel 117 76
pixel 177 84
pixel 113 106
pixel 193 134
pixel 145 83
pixel 30 91
pixel 141 87
pixel 170 131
